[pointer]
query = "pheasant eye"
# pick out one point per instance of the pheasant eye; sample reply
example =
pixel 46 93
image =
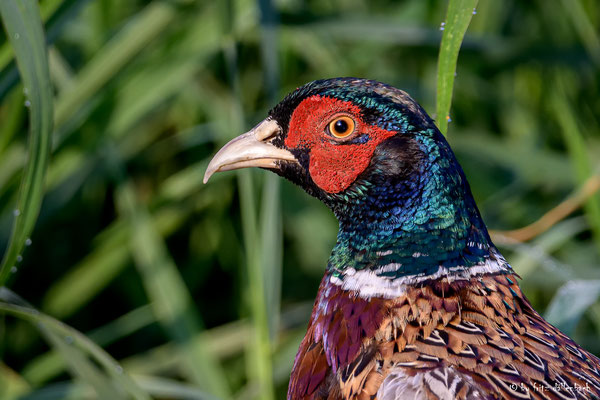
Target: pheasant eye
pixel 341 127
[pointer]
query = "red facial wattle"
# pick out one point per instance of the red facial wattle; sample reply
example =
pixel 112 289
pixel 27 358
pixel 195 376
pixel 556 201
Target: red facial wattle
pixel 334 165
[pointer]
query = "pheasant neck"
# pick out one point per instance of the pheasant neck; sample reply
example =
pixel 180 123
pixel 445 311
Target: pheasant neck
pixel 405 230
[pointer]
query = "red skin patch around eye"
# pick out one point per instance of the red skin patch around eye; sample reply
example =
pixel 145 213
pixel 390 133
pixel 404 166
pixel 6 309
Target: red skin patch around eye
pixel 333 166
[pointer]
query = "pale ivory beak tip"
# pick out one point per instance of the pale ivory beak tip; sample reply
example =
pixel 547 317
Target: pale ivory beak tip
pixel 207 176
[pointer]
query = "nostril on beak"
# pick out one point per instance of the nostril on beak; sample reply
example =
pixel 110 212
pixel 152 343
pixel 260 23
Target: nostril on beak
pixel 266 130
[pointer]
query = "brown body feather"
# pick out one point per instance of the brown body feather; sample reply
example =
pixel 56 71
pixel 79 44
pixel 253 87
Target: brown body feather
pixel 480 336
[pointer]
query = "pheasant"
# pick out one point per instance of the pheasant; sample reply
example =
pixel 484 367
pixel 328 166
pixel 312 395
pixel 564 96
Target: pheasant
pixel 416 301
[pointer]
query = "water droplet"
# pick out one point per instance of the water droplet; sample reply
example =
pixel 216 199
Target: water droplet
pixel 16 212
pixel 455 74
pixel 69 339
pixel 442 26
pixel 17 36
pixel 27 103
pixel 13 269
pixel 27 242
pixel 119 369
pixel 19 258
pixel 474 11
pixel 25 91
pixel 448 118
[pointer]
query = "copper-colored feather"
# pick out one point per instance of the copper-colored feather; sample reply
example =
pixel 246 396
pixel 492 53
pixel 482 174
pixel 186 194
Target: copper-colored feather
pixel 484 340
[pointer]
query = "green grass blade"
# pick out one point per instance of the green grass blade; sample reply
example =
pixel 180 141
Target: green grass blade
pixel 12 385
pixel 584 27
pixel 260 366
pixel 76 347
pixel 24 29
pixel 530 256
pixel 85 280
pixel 158 387
pixel 81 367
pixel 570 302
pixel 171 389
pixel 60 391
pixel 168 294
pixel 12 116
pixel 47 8
pixel 126 44
pixel 55 15
pixel 458 18
pixel 50 364
pixel 260 351
pixel 223 342
pixel 577 149
pixel 60 70
pixel 109 257
pixel 150 87
pixel 270 223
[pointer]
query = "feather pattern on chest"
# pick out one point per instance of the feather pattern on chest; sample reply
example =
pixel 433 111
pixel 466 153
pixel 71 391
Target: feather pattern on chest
pixel 469 339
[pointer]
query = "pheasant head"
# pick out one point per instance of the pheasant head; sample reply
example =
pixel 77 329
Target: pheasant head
pixel 371 153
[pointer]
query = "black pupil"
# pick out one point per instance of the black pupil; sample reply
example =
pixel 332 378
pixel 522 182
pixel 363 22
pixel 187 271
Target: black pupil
pixel 340 126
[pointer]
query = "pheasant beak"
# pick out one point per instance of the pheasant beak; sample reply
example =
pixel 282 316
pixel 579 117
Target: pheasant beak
pixel 252 149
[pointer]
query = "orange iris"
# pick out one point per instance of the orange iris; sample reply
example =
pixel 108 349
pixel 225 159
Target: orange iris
pixel 341 126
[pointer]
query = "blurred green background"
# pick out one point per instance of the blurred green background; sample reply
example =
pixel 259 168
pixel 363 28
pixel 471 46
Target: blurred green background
pixel 167 275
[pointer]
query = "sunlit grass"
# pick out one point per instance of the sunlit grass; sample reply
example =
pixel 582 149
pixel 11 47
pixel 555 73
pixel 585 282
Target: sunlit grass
pixel 204 291
pixel 24 30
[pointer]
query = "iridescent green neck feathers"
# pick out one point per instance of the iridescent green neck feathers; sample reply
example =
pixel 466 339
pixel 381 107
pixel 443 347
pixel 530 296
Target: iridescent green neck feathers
pixel 411 216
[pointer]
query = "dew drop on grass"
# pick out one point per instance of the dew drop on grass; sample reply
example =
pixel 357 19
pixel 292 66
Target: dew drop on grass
pixel 27 242
pixel 27 103
pixel 119 369
pixel 69 339
pixel 16 212
pixel 442 26
pixel 25 91
pixel 474 11
pixel 13 269
pixel 17 36
pixel 19 258
pixel 448 118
